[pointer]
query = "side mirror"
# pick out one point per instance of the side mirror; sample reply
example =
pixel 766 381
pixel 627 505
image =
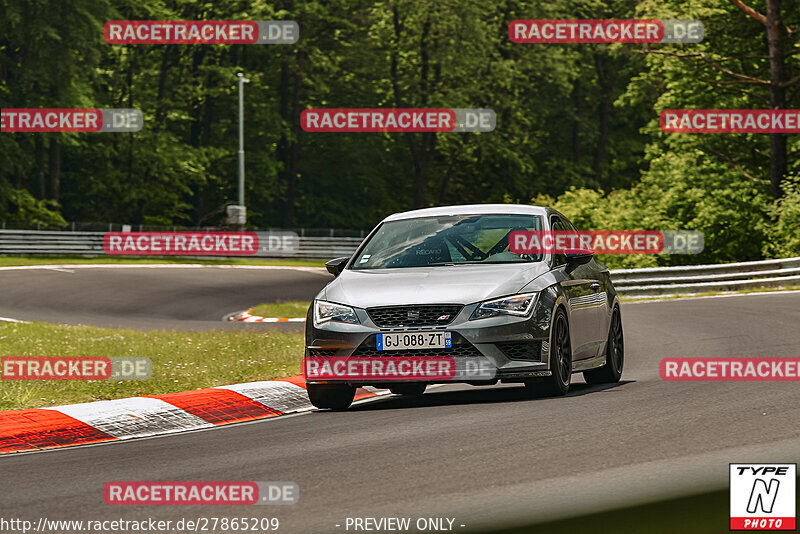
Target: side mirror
pixel 578 256
pixel 335 267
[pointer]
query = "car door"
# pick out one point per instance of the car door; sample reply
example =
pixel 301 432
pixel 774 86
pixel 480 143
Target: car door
pixel 583 289
pixel 596 301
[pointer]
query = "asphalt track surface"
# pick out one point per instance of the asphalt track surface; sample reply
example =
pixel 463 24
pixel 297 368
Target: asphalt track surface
pixel 147 298
pixel 484 456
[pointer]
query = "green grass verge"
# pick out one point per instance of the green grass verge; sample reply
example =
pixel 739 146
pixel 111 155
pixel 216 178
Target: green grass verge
pixel 696 514
pixel 11 261
pixel 181 360
pixel 281 309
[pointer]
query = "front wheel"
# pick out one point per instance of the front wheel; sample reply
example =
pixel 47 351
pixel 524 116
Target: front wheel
pixel 615 355
pixel 560 361
pixel 336 397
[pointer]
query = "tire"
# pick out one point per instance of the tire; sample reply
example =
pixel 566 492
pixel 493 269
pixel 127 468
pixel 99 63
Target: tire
pixel 560 361
pixel 615 355
pixel 409 390
pixel 336 397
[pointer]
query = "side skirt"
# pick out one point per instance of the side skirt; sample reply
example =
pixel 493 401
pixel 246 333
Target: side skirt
pixel 591 363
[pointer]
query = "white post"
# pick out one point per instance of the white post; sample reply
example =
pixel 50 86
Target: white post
pixel 242 81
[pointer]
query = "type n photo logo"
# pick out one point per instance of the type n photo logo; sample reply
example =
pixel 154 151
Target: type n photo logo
pixel 763 496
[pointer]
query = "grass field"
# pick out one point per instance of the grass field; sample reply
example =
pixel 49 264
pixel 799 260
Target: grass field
pixel 181 360
pixel 281 309
pixel 11 261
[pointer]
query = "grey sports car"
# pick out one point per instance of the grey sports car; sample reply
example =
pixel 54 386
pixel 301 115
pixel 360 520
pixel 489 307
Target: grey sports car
pixel 441 283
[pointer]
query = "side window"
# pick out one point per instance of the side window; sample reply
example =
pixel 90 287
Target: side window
pixel 558 226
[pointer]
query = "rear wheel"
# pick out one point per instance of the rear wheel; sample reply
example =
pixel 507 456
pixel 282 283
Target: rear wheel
pixel 615 355
pixel 560 361
pixel 335 397
pixel 410 390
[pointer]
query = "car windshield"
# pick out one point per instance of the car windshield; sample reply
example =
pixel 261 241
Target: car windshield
pixel 446 240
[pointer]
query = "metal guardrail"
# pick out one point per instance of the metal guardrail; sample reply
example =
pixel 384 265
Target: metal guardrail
pixel 91 244
pixel 99 227
pixel 632 283
pixel 666 281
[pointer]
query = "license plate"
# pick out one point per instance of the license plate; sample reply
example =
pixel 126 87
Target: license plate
pixel 414 340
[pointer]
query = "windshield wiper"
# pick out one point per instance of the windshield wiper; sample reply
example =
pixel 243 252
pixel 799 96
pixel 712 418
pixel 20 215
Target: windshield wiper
pixel 453 264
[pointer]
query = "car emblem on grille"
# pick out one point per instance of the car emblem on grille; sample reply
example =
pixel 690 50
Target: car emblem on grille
pixel 413 315
pixel 443 318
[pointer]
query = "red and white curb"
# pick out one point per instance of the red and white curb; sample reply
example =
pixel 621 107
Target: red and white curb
pixel 138 417
pixel 246 317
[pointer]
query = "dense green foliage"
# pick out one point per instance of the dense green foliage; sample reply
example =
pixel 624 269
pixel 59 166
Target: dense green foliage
pixel 577 124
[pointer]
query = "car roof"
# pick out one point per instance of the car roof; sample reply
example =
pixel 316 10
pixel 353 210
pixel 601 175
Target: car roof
pixel 471 209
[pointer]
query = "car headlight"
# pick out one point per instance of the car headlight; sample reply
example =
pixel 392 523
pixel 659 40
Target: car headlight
pixel 519 305
pixel 328 311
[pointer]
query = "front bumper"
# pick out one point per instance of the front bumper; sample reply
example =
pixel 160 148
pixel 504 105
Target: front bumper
pixel 517 347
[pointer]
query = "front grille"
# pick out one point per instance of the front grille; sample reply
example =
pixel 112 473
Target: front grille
pixel 461 348
pixel 427 315
pixel 321 352
pixel 521 350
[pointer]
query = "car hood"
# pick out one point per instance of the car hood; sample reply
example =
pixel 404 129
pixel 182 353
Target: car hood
pixel 458 284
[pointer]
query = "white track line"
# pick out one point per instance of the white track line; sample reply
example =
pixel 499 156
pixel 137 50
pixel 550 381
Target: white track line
pixel 9 320
pixel 316 270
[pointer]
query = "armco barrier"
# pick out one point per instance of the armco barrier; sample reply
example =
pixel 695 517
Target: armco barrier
pixel 666 281
pixel 91 244
pixel 656 281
